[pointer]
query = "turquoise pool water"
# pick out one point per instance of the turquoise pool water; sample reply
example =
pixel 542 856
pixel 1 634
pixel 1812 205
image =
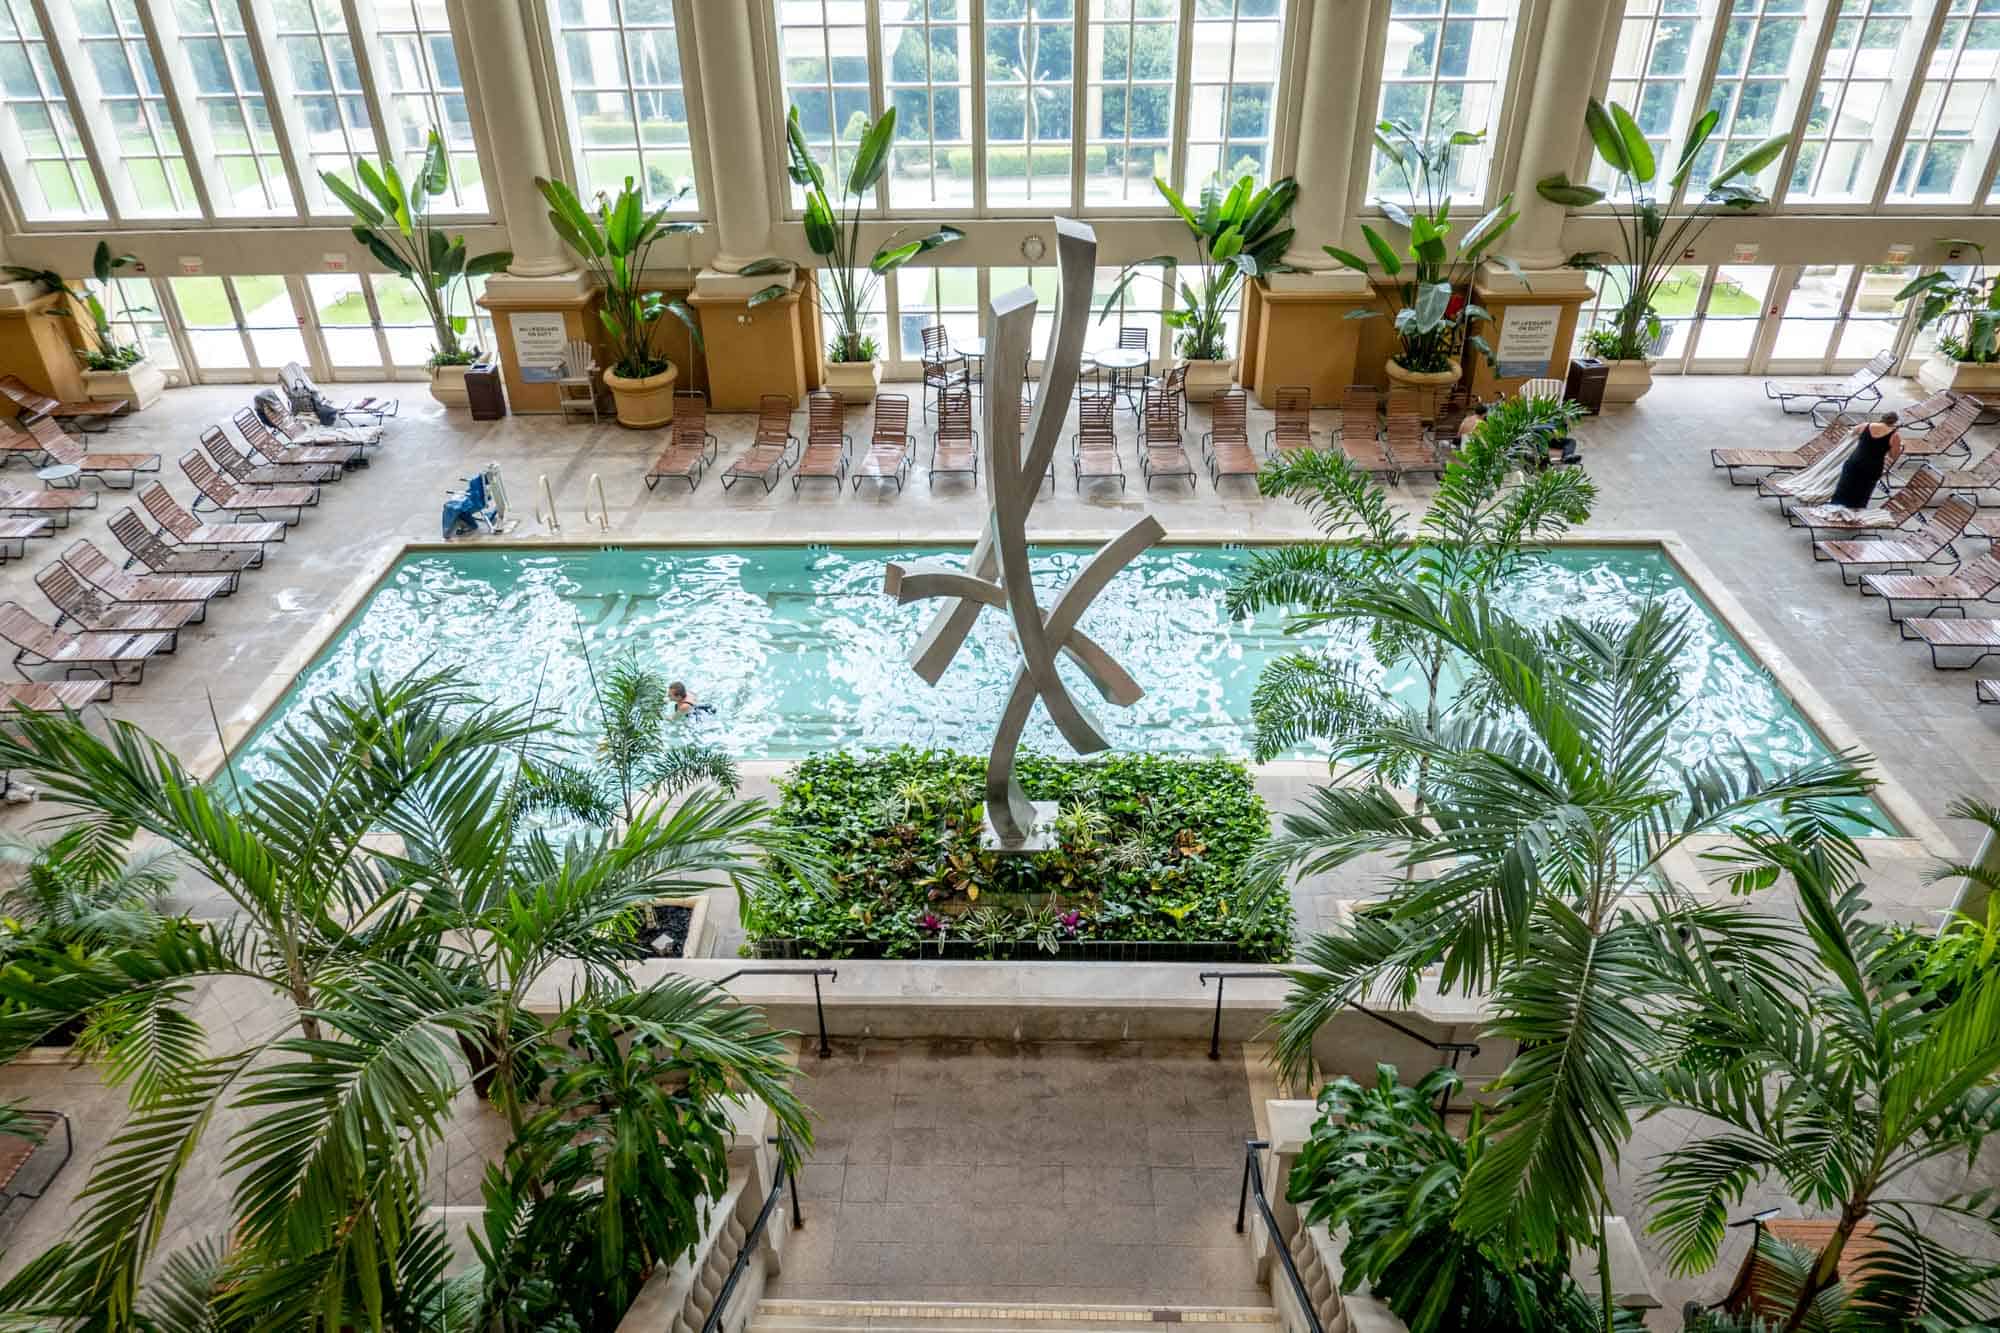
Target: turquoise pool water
pixel 798 649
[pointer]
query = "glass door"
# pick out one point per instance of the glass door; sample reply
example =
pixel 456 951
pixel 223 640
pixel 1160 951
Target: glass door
pixel 1732 313
pixel 1813 307
pixel 1678 301
pixel 238 328
pixel 347 325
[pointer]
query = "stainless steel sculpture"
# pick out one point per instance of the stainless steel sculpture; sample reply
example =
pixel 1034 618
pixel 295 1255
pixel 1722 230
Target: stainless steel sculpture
pixel 996 574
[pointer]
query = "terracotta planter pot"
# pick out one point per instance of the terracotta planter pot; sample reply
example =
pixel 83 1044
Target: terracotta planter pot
pixel 1980 379
pixel 644 404
pixel 854 381
pixel 448 385
pixel 1428 385
pixel 1628 382
pixel 139 384
pixel 1206 380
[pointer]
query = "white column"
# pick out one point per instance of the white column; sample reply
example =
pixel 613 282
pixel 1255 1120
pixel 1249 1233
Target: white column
pixel 1330 116
pixel 1554 128
pixel 739 208
pixel 510 108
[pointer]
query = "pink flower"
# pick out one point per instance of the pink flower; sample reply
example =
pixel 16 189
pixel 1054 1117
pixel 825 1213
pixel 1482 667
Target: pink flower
pixel 930 921
pixel 1070 921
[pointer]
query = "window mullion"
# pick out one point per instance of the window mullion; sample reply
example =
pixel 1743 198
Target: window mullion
pixel 460 25
pixel 1815 71
pixel 878 93
pixel 1704 89
pixel 1177 110
pixel 976 35
pixel 177 85
pixel 84 113
pixel 1887 174
pixel 365 38
pixel 1079 101
pixel 1983 189
pixel 258 25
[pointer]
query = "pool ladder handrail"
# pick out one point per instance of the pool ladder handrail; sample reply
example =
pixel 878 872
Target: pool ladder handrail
pixel 546 496
pixel 603 510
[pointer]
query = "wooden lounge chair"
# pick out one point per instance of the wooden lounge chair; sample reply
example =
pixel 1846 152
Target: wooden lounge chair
pixel 1094 447
pixel 273 448
pixel 246 473
pixel 955 447
pixel 88 417
pixel 1947 434
pixel 1291 426
pixel 1973 581
pixel 18 443
pixel 1894 512
pixel 52 696
pixel 1823 442
pixel 1815 396
pixel 889 453
pixel 1161 453
pixel 55 506
pixel 99 467
pixel 771 451
pixel 1979 480
pixel 119 656
pixel 1978 635
pixel 97 569
pixel 827 441
pixel 1359 428
pixel 1921 416
pixel 88 608
pixel 1404 440
pixel 1541 387
pixel 156 557
pixel 1226 447
pixel 15 534
pixel 1927 543
pixel 691 446
pixel 219 493
pixel 184 529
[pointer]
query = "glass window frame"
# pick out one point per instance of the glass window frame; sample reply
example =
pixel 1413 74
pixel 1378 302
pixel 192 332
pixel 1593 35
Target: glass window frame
pixel 562 94
pixel 1500 141
pixel 55 100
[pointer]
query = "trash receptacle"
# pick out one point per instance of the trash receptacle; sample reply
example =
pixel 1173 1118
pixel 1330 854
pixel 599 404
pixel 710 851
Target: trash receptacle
pixel 483 393
pixel 1585 386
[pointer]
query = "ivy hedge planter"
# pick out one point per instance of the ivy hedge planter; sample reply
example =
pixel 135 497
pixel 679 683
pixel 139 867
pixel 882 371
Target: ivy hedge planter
pixel 646 403
pixel 1150 863
pixel 854 381
pixel 139 384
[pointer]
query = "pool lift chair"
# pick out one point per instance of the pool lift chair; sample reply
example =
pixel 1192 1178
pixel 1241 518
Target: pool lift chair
pixel 482 504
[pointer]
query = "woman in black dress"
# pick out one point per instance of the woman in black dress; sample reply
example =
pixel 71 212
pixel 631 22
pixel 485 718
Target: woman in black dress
pixel 1877 446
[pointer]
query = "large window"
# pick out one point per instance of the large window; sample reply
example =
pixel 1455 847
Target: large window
pixel 145 160
pixel 247 175
pixel 1854 107
pixel 1957 112
pixel 1766 47
pixel 1444 68
pixel 1655 69
pixel 620 62
pixel 38 140
pixel 1036 104
pixel 317 57
pixel 422 89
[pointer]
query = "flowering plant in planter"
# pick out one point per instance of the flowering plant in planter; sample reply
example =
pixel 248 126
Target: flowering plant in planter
pixel 1967 313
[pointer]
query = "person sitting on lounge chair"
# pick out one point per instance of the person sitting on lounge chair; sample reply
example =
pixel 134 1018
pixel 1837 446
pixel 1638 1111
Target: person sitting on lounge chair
pixel 685 704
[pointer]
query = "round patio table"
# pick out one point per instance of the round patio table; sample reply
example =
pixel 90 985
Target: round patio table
pixel 60 476
pixel 1121 362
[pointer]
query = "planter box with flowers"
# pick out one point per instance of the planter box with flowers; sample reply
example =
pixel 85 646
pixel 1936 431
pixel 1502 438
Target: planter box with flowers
pixel 112 371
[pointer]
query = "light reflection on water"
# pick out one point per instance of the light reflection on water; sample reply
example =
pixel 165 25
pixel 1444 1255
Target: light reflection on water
pixel 799 651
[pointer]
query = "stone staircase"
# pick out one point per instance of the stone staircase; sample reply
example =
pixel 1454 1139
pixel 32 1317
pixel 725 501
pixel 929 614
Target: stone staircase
pixel 781 1315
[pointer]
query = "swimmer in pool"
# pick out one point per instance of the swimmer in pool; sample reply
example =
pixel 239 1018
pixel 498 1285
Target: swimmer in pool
pixel 685 704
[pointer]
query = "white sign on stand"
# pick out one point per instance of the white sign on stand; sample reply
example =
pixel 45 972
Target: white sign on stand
pixel 1527 341
pixel 541 340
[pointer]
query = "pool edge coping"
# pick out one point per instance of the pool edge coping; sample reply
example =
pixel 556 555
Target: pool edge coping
pixel 1917 826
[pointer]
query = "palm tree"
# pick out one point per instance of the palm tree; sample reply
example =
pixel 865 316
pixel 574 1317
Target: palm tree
pixel 395 915
pixel 638 755
pixel 1530 877
pixel 1840 1076
pixel 1475 534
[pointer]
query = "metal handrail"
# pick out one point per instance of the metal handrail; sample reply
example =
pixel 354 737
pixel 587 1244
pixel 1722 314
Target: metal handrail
pixel 756 1234
pixel 832 974
pixel 1253 1186
pixel 596 487
pixel 548 520
pixel 1457 1050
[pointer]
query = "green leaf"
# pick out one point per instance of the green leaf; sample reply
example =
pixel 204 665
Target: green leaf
pixel 354 201
pixel 1637 151
pixel 887 259
pixel 1557 189
pixel 1385 254
pixel 1698 135
pixel 871 156
pixel 775 292
pixel 1604 134
pixel 1753 161
pixel 1347 258
pixel 1178 205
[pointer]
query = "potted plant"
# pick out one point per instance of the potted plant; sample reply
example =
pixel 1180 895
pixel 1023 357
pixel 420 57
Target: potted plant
pixel 846 289
pixel 1653 241
pixel 111 370
pixel 1432 305
pixel 615 243
pixel 394 221
pixel 1967 316
pixel 1239 234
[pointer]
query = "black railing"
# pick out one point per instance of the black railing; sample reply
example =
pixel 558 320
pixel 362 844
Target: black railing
pixel 1454 1051
pixel 832 974
pixel 1253 1188
pixel 755 1236
pixel 1019 951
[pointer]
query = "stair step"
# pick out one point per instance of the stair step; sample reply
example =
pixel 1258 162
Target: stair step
pixel 782 1315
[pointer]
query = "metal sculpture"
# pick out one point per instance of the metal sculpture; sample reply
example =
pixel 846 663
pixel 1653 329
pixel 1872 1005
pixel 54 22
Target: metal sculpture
pixel 996 573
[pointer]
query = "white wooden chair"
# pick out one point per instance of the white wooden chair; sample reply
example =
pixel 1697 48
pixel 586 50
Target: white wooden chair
pixel 1542 388
pixel 577 388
